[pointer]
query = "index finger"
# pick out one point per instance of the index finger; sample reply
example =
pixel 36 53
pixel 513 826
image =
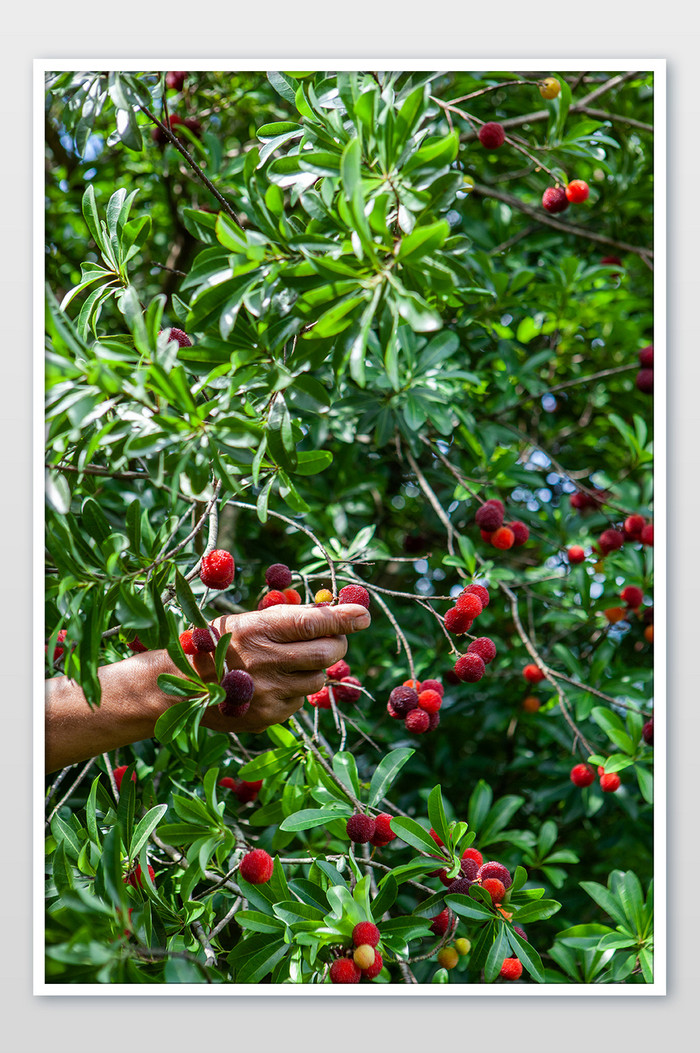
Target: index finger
pixel 286 624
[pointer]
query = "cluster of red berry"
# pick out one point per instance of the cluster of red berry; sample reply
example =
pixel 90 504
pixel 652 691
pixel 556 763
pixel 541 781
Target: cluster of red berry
pixel 362 959
pixel 343 686
pixel 244 791
pixel 645 377
pixel 489 519
pixel 470 666
pixel 362 829
pixel 583 775
pixel 417 703
pixel 635 529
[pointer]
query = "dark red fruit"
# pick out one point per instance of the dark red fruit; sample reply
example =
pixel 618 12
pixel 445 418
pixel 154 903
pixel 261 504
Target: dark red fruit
pixel 175 79
pixel 457 621
pixel 633 596
pixel 344 971
pixel 462 885
pixel 134 878
pixel 645 381
pixel 321 699
pixel 479 590
pixel 492 135
pixel 470 604
pixel 490 515
pixel 338 670
pixel 247 791
pixel 278 576
pixel 646 357
pixel 205 640
pixel 273 598
pixel 257 866
pixel 611 540
pixel 441 922
pixel 492 869
pixel 470 668
pixel 179 335
pixel 239 688
pixel 648 732
pixel 417 721
pixel 118 774
pixel 520 531
pixel 647 535
pixel 218 569
pixel 432 685
pixel 554 199
pixel 136 646
pixel 346 691
pixel 470 868
pixel 360 828
pixel 354 594
pixel 484 647
pixel 633 526
pixel 582 775
pixel 403 700
pixel 383 833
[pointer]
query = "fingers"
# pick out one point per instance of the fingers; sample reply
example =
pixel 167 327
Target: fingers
pixel 290 624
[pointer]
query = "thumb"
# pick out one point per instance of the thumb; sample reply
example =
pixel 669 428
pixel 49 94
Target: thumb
pixel 289 623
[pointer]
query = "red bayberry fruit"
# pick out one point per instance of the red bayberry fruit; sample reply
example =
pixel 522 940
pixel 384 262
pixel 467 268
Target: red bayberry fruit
pixel 321 699
pixel 403 700
pixel 486 535
pixel 278 576
pixel 457 621
pixel 366 932
pixel 354 594
pixel 633 526
pixel 338 670
pixel 178 335
pixel 383 833
pixel 430 701
pixel 463 884
pixel 239 688
pixel 582 775
pixel 495 888
pixel 646 357
pixel 441 922
pixel 645 381
pixel 473 854
pixel 511 969
pixel 205 640
pixel 344 971
pixel 273 598
pixel 118 774
pixel 609 782
pixel 257 866
pixel 520 531
pixel 431 685
pixel 554 199
pixel 647 535
pixel 375 969
pixel 470 604
pixel 411 683
pixel 484 647
pixel 576 554
pixel 218 569
pixel 492 135
pixel 175 79
pixel 58 650
pixel 360 828
pixel 136 646
pixel 633 596
pixel 434 721
pixel 609 261
pixel 533 674
pixel 436 837
pixel 521 933
pixel 470 667
pixel 479 590
pixel 615 614
pixel 417 721
pixel 346 691
pixel 247 791
pixel 577 191
pixel 611 540
pixel 489 516
pixel 503 538
pixel 292 596
pixel 492 869
pixel 187 643
pixel 469 869
pixel 227 782
pixel 134 878
pixel 648 732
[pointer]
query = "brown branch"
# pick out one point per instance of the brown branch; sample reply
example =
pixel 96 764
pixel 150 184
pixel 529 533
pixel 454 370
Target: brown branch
pixel 566 384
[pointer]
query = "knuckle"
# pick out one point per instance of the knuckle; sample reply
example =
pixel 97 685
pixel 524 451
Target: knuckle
pixel 306 624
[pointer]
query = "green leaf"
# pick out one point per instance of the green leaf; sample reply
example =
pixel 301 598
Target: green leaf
pixel 468 907
pixel 422 240
pixel 345 768
pixel 537 911
pixel 145 828
pixel 436 814
pixel 310 817
pixel 413 834
pixel 385 773
pixel 188 603
pixel 527 954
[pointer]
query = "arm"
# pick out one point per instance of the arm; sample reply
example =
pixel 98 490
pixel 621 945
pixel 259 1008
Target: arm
pixel 285 649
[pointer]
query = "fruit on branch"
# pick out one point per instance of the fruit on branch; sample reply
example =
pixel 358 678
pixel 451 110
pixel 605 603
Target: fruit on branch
pixel 119 773
pixel 417 721
pixel 615 614
pixel 187 643
pixel 461 885
pixel 486 535
pixel 273 598
pixel 246 792
pixel 493 869
pixel 549 88
pixel 609 782
pixel 648 732
pixel 257 866
pixel 645 381
pixel 533 674
pixel 576 554
pixel 511 969
pixel 375 968
pixel 632 527
pixel 136 646
pixel 577 191
pixel 344 971
pixel 323 596
pixel 503 538
pixel 649 633
pixel 346 691
pixel 611 540
pixel 646 357
pixel 447 957
pixel 431 685
pixel 478 590
pixel 363 956
pixel 492 135
pixel 354 594
pixel 457 621
pixel 415 684
pixel 321 699
pixel 338 670
pixel 278 576
pixel 430 701
pixel 134 878
pixel 520 531
pixel 462 946
pixel 531 703
pixel 521 933
pixel 383 834
pixel 360 828
pixel 179 335
pixel 495 888
pixel 292 596
pixel 633 596
pixel 470 668
pixel 490 515
pixel 554 199
pixel 175 79
pixel 239 688
pixel 647 535
pixel 217 569
pixel 469 603
pixel 473 854
pixel 403 700
pixel 440 923
pixel 484 647
pixel 365 932
pixel 58 650
pixel 581 500
pixel 204 641
pixel 582 775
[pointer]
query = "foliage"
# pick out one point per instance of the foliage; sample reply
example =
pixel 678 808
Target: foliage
pixel 382 338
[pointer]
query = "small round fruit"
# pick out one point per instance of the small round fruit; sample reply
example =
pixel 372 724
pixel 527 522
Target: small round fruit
pixel 462 946
pixel 577 191
pixel 447 957
pixel 186 642
pixel 645 381
pixel 178 335
pixel 633 526
pixel 320 699
pixel 549 88
pixel 582 775
pixel 360 828
pixel 470 668
pixel 291 596
pixel 649 633
pixel 648 732
pixel 646 357
pixel 457 621
pixel 492 135
pixel 494 869
pixel 344 971
pixel 323 596
pixel 495 888
pixel 431 685
pixel 134 878
pixel 119 773
pixel 365 932
pixel 647 535
pixel 615 614
pixel 576 554
pixel 338 670
pixel 469 604
pixel 533 674
pixel 375 969
pixel 611 540
pixel 633 596
pixel 403 700
pixel 257 866
pixel 503 538
pixel 363 956
pixel 382 836
pixel 204 641
pixel 239 688
pixel 278 576
pixel 474 854
pixel 511 969
pixel 417 721
pixel 354 594
pixel 554 199
pixel 609 782
pixel 217 569
pixel 490 515
pixel 521 532
pixel 484 647
pixel 430 701
pixel 480 590
pixel 531 704
pixel 440 922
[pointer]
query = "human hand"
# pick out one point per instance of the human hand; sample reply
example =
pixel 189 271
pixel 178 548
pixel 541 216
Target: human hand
pixel 286 649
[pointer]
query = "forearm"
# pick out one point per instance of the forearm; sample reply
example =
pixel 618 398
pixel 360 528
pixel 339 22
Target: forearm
pixel 131 704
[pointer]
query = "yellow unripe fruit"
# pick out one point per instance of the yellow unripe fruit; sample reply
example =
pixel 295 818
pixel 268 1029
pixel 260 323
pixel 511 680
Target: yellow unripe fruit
pixel 463 946
pixel 448 957
pixel 549 88
pixel 363 956
pixel 323 596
